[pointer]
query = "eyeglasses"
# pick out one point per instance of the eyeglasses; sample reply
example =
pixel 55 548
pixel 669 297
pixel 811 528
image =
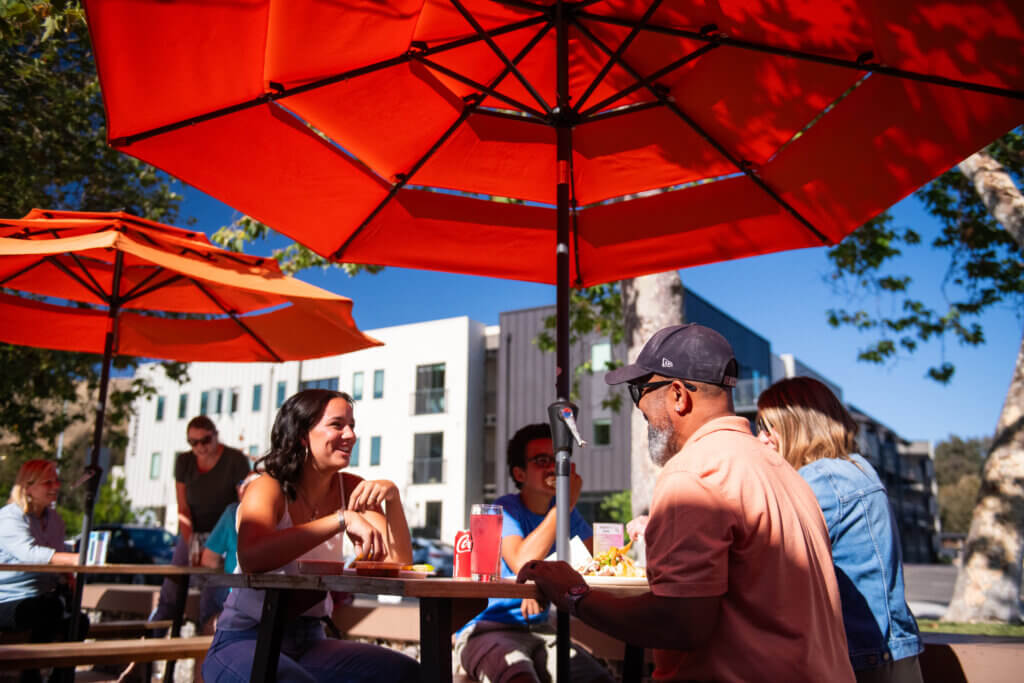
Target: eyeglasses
pixel 542 460
pixel 205 441
pixel 762 426
pixel 637 391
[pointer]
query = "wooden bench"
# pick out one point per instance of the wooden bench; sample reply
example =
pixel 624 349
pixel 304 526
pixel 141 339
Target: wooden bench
pixel 955 658
pixel 15 657
pixel 126 598
pixel 124 628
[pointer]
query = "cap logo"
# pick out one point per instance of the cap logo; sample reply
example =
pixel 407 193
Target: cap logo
pixel 666 363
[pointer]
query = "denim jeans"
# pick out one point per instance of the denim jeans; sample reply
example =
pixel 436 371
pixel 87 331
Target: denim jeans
pixel 307 656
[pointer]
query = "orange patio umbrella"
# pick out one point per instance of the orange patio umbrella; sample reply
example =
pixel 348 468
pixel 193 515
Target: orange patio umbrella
pixel 155 291
pixel 564 142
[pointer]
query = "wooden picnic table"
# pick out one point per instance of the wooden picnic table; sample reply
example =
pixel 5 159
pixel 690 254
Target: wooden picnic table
pixel 81 571
pixel 443 602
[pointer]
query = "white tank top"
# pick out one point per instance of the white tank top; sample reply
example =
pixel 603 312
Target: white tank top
pixel 244 607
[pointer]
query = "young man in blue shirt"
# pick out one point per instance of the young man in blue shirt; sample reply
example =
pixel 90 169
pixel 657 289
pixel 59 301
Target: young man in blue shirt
pixel 512 641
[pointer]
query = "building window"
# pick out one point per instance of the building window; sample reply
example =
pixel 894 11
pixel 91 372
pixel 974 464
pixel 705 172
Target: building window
pixel 254 452
pixel 257 397
pixel 218 401
pixel 353 460
pixel 428 458
pixel 430 392
pixel 204 403
pixel 378 384
pixel 282 388
pixel 236 398
pixel 432 522
pixel 600 356
pixel 374 451
pixel 329 383
pixel 357 386
pixel 159 408
pixel 154 466
pixel 182 406
pixel 602 431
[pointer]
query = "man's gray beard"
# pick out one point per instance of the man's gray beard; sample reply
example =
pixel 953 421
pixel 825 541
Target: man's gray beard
pixel 658 448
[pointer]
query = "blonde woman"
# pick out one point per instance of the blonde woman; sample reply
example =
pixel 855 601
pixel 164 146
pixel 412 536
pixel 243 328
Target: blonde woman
pixel 804 421
pixel 31 532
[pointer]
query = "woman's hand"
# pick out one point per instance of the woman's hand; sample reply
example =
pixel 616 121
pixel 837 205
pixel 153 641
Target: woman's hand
pixel 636 527
pixel 368 541
pixel 370 495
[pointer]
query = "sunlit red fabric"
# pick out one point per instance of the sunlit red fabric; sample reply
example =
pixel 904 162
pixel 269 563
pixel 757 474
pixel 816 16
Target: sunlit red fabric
pixel 328 165
pixel 65 255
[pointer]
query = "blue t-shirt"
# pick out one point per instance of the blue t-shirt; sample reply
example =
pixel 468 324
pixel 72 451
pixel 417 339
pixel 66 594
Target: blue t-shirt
pixel 223 539
pixel 519 521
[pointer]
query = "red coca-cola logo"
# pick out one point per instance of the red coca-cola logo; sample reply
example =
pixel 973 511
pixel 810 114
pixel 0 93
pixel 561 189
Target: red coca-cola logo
pixel 464 544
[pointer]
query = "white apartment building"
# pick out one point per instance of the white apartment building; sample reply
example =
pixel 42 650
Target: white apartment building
pixel 419 410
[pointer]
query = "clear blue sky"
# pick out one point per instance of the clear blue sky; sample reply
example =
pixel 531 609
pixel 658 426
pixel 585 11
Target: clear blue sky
pixel 783 297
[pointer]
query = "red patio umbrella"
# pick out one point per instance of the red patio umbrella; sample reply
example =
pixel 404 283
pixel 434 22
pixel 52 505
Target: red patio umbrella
pixel 625 136
pixel 155 291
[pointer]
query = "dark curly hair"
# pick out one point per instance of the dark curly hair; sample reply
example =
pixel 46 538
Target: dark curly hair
pixel 296 417
pixel 515 456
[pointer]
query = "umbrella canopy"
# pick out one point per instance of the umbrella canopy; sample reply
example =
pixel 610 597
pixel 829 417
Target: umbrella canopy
pixel 155 291
pixel 778 125
pixel 178 297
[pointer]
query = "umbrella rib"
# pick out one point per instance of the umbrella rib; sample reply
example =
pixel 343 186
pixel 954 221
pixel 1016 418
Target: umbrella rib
pixel 862 63
pixel 238 321
pixel 623 46
pixel 88 273
pixel 280 92
pixel 140 290
pixel 404 178
pixel 648 80
pixel 741 165
pixel 472 106
pixel 95 290
pixel 622 111
pixel 501 55
pixel 21 272
pixel 481 87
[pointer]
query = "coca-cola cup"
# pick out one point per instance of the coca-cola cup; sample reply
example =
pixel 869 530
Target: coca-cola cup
pixel 463 549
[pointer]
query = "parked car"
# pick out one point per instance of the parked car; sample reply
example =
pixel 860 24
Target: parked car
pixel 434 552
pixel 135 544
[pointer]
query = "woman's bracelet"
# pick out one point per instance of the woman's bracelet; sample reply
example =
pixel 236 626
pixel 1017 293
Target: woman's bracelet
pixel 341 521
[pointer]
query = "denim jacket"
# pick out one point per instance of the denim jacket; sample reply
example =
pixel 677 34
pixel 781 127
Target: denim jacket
pixel 868 560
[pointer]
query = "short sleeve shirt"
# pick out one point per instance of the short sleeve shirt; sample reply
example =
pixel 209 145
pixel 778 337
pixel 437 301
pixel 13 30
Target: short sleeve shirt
pixel 208 493
pixel 730 518
pixel 223 539
pixel 517 520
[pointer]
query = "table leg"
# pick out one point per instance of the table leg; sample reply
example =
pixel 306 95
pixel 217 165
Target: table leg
pixel 268 643
pixel 633 664
pixel 562 646
pixel 436 640
pixel 178 618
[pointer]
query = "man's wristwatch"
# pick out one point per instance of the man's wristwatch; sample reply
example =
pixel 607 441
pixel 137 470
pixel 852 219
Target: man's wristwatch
pixel 574 594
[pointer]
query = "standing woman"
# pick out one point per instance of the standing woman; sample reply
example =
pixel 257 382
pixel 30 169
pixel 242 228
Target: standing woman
pixel 205 482
pixel 31 532
pixel 299 510
pixel 804 421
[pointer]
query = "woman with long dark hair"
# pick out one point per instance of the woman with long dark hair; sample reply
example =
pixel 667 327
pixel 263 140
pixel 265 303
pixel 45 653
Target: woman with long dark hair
pixel 300 509
pixel 804 421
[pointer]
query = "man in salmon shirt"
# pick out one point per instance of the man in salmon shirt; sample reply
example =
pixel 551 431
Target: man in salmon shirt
pixel 738 555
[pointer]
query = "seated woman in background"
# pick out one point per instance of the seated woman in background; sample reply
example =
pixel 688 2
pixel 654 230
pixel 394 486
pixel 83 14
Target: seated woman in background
pixel 804 421
pixel 31 532
pixel 299 510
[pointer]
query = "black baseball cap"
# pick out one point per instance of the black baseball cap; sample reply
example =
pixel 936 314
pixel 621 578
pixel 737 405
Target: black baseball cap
pixel 688 351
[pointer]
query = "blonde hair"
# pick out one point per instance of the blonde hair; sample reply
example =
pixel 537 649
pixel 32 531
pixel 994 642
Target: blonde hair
pixel 808 420
pixel 30 472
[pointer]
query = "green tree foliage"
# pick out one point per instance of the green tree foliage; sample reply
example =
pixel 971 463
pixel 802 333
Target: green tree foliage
pixel 616 507
pixel 986 268
pixel 112 506
pixel 54 155
pixel 958 464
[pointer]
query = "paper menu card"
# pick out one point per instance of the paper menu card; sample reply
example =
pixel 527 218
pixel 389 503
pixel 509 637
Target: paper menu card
pixel 607 536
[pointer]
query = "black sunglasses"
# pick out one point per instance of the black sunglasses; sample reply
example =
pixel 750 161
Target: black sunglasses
pixel 762 426
pixel 637 391
pixel 205 441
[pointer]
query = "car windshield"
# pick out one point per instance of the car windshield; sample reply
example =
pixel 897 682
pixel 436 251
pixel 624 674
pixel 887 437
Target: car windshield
pixel 151 540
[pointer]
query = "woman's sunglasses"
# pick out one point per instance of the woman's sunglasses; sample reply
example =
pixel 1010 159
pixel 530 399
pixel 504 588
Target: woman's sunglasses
pixel 205 441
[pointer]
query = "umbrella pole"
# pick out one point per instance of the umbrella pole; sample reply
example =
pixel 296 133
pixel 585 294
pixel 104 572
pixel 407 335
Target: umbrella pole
pixel 93 471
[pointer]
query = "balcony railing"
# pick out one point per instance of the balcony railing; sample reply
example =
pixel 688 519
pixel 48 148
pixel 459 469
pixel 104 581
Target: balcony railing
pixel 428 470
pixel 744 395
pixel 429 401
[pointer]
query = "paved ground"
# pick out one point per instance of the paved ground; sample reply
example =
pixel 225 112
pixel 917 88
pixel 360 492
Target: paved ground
pixel 929 588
